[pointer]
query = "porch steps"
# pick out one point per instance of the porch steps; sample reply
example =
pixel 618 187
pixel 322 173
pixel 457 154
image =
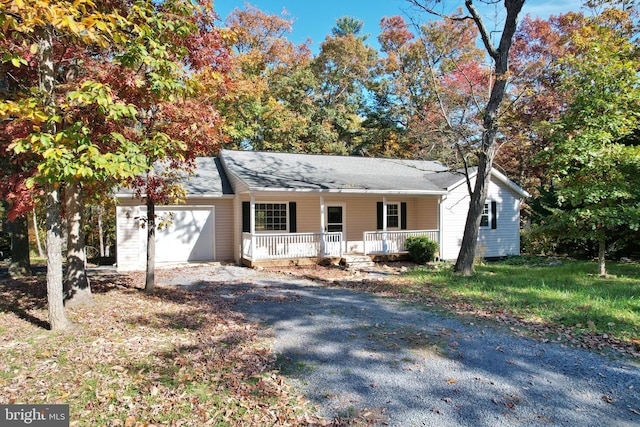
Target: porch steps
pixel 356 262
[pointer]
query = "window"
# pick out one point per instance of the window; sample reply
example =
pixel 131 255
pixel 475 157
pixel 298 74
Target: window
pixel 484 221
pixel 393 215
pixel 489 215
pixel 271 216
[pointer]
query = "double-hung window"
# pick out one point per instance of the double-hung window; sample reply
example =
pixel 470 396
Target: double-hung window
pixel 484 221
pixel 393 215
pixel 489 216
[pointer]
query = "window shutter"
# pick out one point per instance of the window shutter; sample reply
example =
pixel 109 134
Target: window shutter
pixel 494 215
pixel 403 215
pixel 293 228
pixel 246 217
pixel 379 211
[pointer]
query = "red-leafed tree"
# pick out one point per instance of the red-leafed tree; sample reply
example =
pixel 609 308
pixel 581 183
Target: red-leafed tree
pixel 176 91
pixel 535 77
pixel 432 88
pixel 88 77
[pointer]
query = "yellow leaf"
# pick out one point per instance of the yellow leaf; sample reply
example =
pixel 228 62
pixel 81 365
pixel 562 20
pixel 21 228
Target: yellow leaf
pixel 15 62
pixel 34 49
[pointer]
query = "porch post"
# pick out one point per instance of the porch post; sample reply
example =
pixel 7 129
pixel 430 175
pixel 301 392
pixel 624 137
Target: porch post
pixel 384 225
pixel 322 222
pixel 440 231
pixel 252 226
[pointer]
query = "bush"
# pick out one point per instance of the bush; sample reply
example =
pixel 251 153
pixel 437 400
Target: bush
pixel 421 249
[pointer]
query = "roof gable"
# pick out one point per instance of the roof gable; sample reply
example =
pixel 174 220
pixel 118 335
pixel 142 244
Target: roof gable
pixel 494 174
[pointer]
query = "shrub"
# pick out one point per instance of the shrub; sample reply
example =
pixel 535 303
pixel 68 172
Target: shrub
pixel 421 249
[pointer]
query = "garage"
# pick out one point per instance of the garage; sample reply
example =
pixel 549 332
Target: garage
pixel 186 233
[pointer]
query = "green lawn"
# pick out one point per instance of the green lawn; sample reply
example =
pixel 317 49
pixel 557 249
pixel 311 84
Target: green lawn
pixel 565 296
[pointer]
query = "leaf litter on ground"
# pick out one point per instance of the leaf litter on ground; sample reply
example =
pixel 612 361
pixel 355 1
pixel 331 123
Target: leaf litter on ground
pixel 174 357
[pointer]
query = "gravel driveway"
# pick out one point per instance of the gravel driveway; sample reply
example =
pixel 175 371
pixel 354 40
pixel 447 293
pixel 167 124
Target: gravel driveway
pixel 355 353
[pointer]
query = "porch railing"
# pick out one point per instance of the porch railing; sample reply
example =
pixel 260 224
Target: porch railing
pixel 393 242
pixel 291 245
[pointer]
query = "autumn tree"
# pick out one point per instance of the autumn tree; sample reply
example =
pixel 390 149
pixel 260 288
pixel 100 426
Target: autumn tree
pixel 432 84
pixel 537 96
pixel 60 142
pixel 593 164
pixel 343 68
pixel 177 62
pixel 270 106
pixel 487 143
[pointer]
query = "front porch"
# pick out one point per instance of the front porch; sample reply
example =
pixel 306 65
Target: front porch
pixel 306 248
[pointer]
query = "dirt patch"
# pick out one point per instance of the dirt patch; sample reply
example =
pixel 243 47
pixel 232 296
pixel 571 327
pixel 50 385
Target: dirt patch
pixel 333 273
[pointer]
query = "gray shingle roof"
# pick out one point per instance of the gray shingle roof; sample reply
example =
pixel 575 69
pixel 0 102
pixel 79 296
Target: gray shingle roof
pixel 264 171
pixel 285 171
pixel 208 180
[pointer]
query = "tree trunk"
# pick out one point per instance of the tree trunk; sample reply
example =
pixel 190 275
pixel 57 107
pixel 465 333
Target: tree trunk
pixel 57 318
pixel 151 246
pixel 602 250
pixel 20 262
pixel 101 232
pixel 76 283
pixel 464 263
pixel 487 151
pixel 36 231
pixel 46 76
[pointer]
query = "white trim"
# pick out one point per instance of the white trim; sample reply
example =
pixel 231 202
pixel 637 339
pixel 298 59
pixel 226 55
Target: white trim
pixel 487 204
pixel 271 190
pixel 501 177
pixel 386 208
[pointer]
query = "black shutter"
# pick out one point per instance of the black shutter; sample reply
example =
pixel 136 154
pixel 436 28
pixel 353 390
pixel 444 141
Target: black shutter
pixel 494 215
pixel 379 211
pixel 403 216
pixel 246 217
pixel 293 228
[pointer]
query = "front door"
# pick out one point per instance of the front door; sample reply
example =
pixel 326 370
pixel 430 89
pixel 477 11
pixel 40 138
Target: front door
pixel 335 222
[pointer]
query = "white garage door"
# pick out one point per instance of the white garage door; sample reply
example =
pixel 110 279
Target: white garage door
pixel 189 237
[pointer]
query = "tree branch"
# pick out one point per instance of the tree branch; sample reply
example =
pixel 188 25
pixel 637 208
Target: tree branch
pixel 484 33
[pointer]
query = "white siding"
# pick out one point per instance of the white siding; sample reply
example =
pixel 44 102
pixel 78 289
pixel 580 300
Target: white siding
pixel 128 238
pixel 501 241
pixel 131 238
pixel 505 238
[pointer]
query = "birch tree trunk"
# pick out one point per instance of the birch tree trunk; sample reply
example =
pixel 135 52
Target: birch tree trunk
pixel 602 252
pixel 76 283
pixel 37 233
pixel 101 231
